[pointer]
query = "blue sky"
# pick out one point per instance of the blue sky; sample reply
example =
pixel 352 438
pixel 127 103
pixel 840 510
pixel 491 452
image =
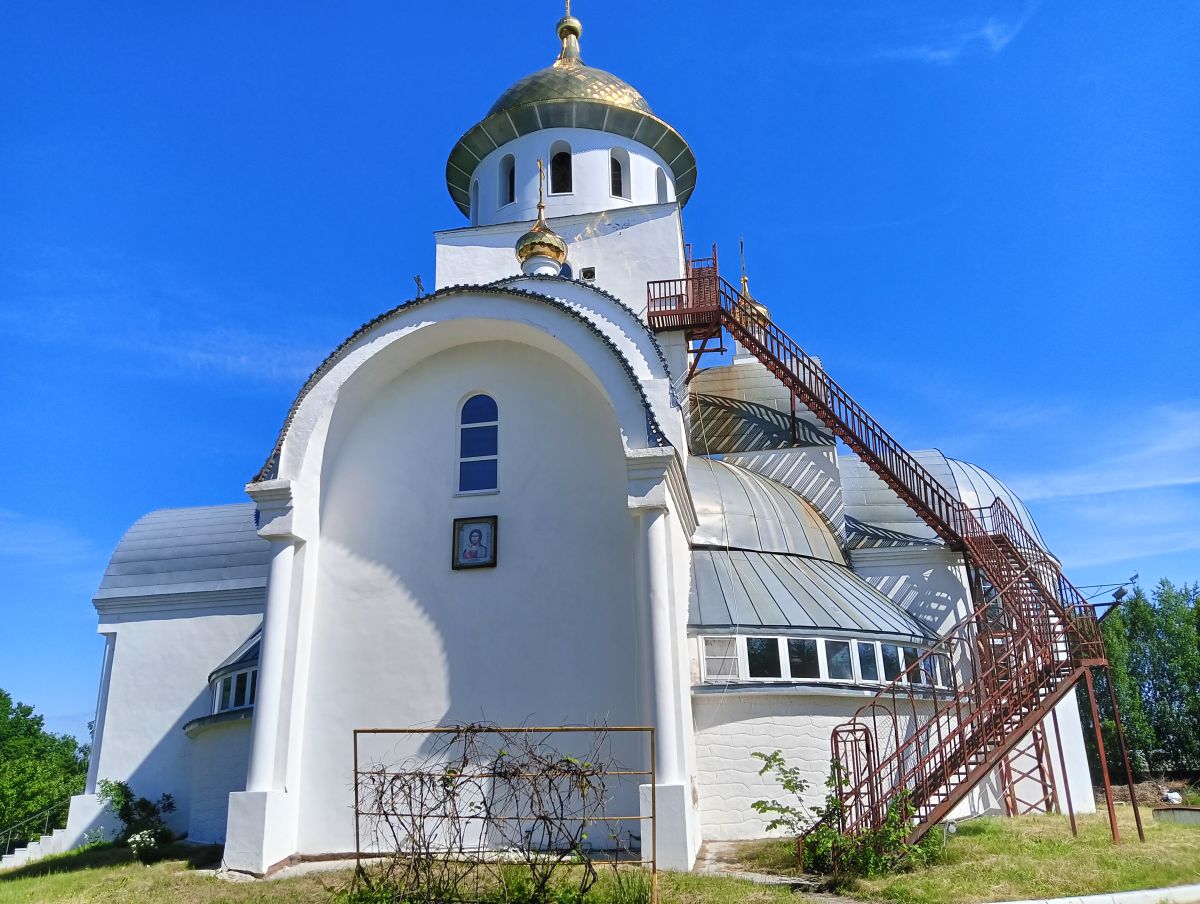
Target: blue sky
pixel 982 216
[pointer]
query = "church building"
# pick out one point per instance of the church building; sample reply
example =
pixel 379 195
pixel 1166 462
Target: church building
pixel 523 498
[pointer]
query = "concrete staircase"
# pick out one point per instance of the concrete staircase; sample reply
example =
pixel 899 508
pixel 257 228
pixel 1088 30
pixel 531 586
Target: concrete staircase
pixel 54 843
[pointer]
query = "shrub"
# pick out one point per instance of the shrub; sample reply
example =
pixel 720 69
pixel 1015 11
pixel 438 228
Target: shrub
pixel 137 814
pixel 825 849
pixel 145 845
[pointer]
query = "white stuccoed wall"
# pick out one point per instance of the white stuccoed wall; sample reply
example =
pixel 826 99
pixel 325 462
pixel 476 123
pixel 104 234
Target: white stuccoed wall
pixel 162 657
pixel 398 638
pixel 591 188
pixel 627 247
pixel 219 756
pixel 732 725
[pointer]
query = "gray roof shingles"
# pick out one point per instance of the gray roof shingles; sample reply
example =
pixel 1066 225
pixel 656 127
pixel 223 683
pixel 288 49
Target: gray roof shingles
pixel 188 550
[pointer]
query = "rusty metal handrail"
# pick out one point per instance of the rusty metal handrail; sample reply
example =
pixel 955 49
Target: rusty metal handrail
pixel 1049 633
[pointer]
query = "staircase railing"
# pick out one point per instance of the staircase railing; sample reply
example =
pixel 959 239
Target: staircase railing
pixel 20 831
pixel 1019 651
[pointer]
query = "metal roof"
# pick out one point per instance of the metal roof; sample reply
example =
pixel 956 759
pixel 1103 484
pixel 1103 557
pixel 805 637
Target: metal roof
pixel 744 590
pixel 978 488
pixel 874 511
pixel 243 657
pixel 188 550
pixel 736 507
pixel 569 94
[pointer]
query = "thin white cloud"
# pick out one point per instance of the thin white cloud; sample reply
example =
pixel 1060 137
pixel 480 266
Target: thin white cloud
pixel 53 552
pixel 945 44
pixel 147 315
pixel 1121 527
pixel 42 542
pixel 1161 450
pixel 849 33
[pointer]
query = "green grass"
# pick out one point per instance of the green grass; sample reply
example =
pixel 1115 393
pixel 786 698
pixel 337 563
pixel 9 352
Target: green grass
pixel 988 860
pixel 107 873
pixel 999 859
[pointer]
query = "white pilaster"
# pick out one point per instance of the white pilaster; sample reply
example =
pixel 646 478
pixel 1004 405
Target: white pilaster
pixel 261 827
pixel 110 646
pixel 657 495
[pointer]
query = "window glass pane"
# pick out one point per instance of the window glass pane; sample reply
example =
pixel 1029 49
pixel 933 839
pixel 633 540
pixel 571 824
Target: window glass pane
pixel 720 657
pixel 943 669
pixel 477 441
pixel 480 409
pixel 253 686
pixel 868 668
pixel 560 172
pixel 837 657
pixel 802 655
pixel 910 657
pixel 239 690
pixel 617 188
pixel 476 475
pixel 226 687
pixel 762 655
pixel 891 661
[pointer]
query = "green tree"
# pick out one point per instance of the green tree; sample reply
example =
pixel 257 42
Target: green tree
pixel 1154 652
pixel 38 769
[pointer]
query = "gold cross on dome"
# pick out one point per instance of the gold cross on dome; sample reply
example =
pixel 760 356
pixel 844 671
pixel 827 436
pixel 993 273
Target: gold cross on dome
pixel 542 171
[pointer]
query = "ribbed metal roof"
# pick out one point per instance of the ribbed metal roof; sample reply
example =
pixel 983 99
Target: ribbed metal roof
pixel 736 507
pixel 188 550
pixel 243 657
pixel 569 94
pixel 738 589
pixel 978 488
pixel 871 504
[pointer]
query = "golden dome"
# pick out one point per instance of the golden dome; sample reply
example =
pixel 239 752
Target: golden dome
pixel 541 241
pixel 569 94
pixel 569 79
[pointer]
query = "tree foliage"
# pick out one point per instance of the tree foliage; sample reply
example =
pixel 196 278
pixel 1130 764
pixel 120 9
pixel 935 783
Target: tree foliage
pixel 1154 651
pixel 38 769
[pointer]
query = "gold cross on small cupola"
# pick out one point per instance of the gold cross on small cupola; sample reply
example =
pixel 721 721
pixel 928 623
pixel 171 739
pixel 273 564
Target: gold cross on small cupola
pixel 541 251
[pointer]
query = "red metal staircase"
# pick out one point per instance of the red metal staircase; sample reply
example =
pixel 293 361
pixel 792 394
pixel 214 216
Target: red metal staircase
pixel 964 707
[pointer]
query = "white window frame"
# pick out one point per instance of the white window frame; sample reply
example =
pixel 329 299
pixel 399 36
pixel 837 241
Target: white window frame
pixel 849 641
pixel 459 427
pixel 251 690
pixel 737 659
pixel 502 182
pixel 742 656
pixel 621 156
pixel 559 146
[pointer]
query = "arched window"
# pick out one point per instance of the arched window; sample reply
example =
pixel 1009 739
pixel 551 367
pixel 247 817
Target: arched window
pixel 560 168
pixel 660 184
pixel 475 203
pixel 618 166
pixel 478 445
pixel 508 180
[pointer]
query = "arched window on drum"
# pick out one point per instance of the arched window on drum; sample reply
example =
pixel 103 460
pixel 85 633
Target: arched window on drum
pixel 478 445
pixel 560 168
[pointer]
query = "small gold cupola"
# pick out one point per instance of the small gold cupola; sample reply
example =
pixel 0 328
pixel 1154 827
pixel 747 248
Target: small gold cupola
pixel 541 251
pixel 754 303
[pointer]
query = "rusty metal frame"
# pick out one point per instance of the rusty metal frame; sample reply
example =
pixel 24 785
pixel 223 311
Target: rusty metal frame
pixel 1030 639
pixel 651 773
pixel 1028 765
